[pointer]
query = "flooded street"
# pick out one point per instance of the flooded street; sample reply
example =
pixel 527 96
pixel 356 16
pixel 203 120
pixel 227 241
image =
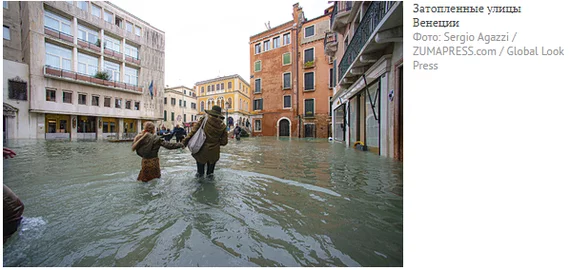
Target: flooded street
pixel 273 202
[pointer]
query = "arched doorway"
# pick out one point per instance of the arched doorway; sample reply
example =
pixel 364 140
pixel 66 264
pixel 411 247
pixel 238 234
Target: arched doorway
pixel 284 127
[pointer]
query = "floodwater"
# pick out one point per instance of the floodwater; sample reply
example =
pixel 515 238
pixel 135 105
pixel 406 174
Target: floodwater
pixel 273 202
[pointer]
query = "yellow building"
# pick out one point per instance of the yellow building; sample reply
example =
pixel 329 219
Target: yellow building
pixel 232 93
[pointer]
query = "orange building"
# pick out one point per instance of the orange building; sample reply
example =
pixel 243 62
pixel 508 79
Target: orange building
pixel 291 79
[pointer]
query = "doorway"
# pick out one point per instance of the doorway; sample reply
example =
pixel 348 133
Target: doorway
pixel 284 128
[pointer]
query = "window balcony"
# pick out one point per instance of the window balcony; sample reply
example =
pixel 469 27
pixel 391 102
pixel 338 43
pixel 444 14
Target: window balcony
pixel 88 45
pixel 58 34
pixel 57 73
pixel 132 59
pixel 370 38
pixel 309 114
pixel 309 64
pixel 339 16
pixel 111 52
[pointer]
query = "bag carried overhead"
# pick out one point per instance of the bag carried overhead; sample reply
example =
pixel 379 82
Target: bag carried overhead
pixel 198 138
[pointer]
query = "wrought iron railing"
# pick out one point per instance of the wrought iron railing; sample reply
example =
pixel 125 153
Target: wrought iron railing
pixel 374 14
pixel 340 6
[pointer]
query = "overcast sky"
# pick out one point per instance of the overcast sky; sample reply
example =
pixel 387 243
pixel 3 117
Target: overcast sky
pixel 207 39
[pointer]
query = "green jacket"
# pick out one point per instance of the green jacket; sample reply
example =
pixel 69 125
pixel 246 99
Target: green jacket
pixel 147 145
pixel 216 135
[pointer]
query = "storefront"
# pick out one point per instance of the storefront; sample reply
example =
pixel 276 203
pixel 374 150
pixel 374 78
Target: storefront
pixel 87 127
pixel 129 128
pixel 110 127
pixel 58 127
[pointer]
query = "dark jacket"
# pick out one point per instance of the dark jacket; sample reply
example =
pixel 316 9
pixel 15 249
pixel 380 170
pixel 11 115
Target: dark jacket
pixel 13 210
pixel 216 135
pixel 147 145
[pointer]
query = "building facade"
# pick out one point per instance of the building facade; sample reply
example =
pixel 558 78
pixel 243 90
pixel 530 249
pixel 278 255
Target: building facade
pixel 232 93
pixel 180 107
pixel 291 79
pixel 366 43
pixel 80 70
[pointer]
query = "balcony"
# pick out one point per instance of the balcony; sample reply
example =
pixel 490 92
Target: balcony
pixel 309 114
pixel 58 34
pixel 309 64
pixel 339 16
pixel 77 77
pixel 132 59
pixel 370 38
pixel 113 53
pixel 88 45
pixel 331 44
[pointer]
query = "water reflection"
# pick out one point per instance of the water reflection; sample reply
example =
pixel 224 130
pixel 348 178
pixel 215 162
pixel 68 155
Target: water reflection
pixel 273 202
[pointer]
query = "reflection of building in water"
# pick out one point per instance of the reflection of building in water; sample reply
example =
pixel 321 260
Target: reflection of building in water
pixel 366 44
pixel 80 71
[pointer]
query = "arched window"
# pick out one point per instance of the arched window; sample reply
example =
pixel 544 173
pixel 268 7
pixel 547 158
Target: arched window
pixel 202 106
pixel 229 103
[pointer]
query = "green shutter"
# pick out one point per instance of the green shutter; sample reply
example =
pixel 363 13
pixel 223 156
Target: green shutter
pixel 286 58
pixel 257 65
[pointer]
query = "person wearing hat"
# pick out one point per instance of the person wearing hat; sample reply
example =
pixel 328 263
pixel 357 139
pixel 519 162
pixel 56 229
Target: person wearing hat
pixel 216 136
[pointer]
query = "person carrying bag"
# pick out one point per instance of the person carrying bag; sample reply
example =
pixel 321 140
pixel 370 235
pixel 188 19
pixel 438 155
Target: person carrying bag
pixel 211 127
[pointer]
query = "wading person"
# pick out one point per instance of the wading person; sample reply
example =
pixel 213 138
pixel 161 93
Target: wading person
pixel 13 206
pixel 216 136
pixel 147 145
pixel 237 132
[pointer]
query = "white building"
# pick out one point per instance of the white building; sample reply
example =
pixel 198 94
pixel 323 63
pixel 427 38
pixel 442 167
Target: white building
pixel 366 43
pixel 179 107
pixel 53 63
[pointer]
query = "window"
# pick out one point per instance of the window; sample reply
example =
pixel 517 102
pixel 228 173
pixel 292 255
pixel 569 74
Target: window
pixel 113 44
pixel 87 64
pixel 309 31
pixel 184 118
pixel 82 5
pixel 309 107
pixel 17 90
pixel 180 102
pixel 132 51
pixel 82 99
pixel 286 39
pixel 184 103
pixel 58 57
pixel 137 105
pixel 286 102
pixel 95 101
pixel 131 76
pixel 229 85
pixel 287 80
pixel 266 45
pixel 137 31
pixel 128 104
pixel 202 90
pixel 6 31
pixel 276 42
pixel 173 101
pixel 208 88
pixel 218 86
pixel 114 71
pixel 257 86
pixel 331 84
pixel 50 95
pixel 257 66
pixel 257 125
pixel 165 100
pixel 129 27
pixel 108 16
pixel 67 97
pixel 257 48
pixel 202 106
pixel 165 115
pixel 287 58
pixel 222 85
pixel 57 22
pixel 87 34
pixel 107 102
pixel 119 22
pixel 258 104
pixel 96 11
pixel 172 116
pixel 5 3
pixel 309 81
pixel 309 55
pixel 193 105
pixel 118 102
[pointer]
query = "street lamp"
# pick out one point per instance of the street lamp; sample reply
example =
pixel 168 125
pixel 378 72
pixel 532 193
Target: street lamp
pixel 227 119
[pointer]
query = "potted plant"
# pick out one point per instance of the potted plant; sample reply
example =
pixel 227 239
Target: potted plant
pixel 100 77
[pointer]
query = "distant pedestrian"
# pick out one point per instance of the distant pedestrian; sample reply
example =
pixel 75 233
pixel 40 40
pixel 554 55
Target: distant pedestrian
pixel 147 145
pixel 237 132
pixel 216 136
pixel 179 133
